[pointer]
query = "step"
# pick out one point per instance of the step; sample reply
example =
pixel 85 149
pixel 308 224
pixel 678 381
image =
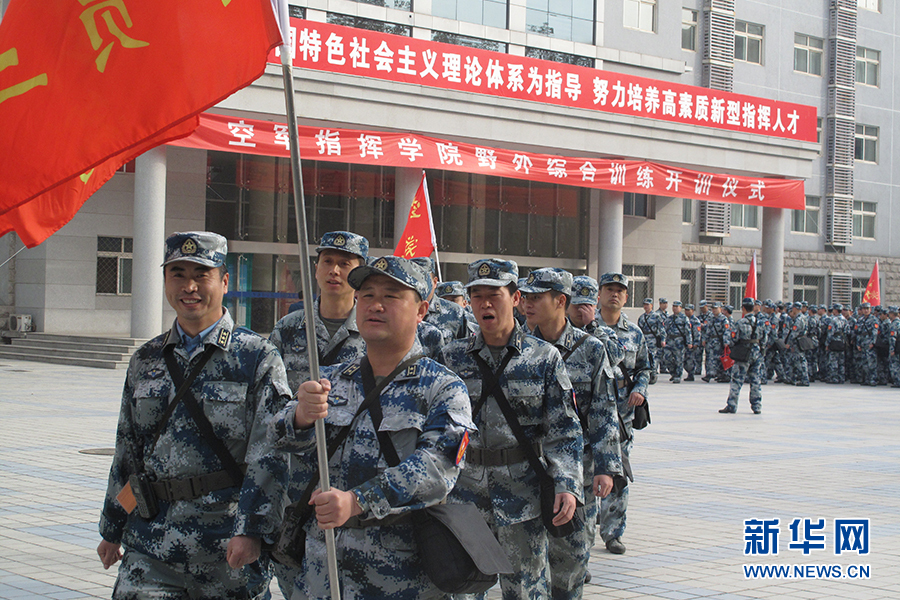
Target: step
pixel 96 352
pixel 32 342
pixel 5 354
pixel 87 339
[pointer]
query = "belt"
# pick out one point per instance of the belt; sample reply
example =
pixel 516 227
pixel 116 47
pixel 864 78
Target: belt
pixel 489 457
pixel 190 488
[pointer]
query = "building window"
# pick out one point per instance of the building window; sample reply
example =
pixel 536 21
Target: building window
pixel 397 4
pixel 572 21
pixel 808 53
pixel 807 221
pixel 858 290
pixel 483 12
pixel 866 143
pixel 808 288
pixel 298 12
pixel 640 284
pixel 371 24
pixel 737 284
pixel 640 205
pixel 864 219
pixel 818 130
pixel 470 42
pixel 748 42
pixel 745 215
pixel 114 265
pixel 561 57
pixel 688 286
pixel 874 5
pixel 689 19
pixel 640 14
pixel 687 211
pixel 867 61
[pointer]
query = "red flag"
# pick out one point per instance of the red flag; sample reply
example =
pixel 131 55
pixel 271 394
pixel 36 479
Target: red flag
pixel 750 290
pixel 92 84
pixel 727 361
pixel 418 236
pixel 873 288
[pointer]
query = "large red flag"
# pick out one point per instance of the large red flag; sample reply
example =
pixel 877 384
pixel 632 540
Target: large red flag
pixel 873 288
pixel 750 290
pixel 418 235
pixel 91 84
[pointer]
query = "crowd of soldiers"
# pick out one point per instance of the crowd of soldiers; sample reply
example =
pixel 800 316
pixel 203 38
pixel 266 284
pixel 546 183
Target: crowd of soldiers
pixel 419 396
pixel 799 342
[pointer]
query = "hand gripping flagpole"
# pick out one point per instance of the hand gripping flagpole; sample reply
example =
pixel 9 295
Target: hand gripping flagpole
pixel 306 277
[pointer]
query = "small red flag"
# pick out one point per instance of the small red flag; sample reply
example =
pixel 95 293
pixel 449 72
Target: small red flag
pixel 418 236
pixel 873 288
pixel 727 361
pixel 750 290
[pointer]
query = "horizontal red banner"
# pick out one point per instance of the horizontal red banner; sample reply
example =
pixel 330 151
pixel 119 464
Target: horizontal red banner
pixel 267 138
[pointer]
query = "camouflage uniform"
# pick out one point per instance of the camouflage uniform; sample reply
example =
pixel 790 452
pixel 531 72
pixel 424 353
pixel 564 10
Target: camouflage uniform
pixel 812 355
pixel 653 326
pixel 693 358
pixel 241 389
pixel 748 329
pixel 894 339
pixel 678 336
pixel 427 413
pixel 538 388
pixel 866 334
pixel 836 330
pixel 883 348
pixel 450 317
pixel 716 330
pixel 796 368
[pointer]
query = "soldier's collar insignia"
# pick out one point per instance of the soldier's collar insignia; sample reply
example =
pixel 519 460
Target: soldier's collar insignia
pixel 340 241
pixel 189 247
pixel 350 371
pixel 222 339
pixel 411 372
pixel 381 264
pixel 484 270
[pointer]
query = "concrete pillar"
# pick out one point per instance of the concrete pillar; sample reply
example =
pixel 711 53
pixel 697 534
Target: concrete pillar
pixel 611 231
pixel 771 280
pixel 149 237
pixel 406 184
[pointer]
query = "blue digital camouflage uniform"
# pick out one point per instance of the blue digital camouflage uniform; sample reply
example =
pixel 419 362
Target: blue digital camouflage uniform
pixel 716 330
pixel 795 366
pixel 812 355
pixel 678 336
pixel 426 411
pixel 590 369
pixel 866 333
pixel 836 341
pixel 894 339
pixel 693 358
pixel 241 389
pixel 450 317
pixel 749 330
pixel 653 326
pixel 882 348
pixel 637 364
pixel 538 388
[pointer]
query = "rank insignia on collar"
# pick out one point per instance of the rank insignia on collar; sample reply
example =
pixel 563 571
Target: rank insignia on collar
pixel 411 371
pixel 189 247
pixel 223 338
pixel 350 371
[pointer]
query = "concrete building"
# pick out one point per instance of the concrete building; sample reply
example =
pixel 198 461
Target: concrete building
pixel 100 275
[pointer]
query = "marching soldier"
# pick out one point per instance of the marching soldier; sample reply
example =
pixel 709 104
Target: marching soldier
pixel 796 368
pixel 653 326
pixel 866 334
pixel 692 358
pixel 748 331
pixel 894 348
pixel 680 339
pixel 836 341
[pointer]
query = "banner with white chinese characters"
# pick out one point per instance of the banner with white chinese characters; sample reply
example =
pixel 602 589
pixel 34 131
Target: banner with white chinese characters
pixel 340 49
pixel 266 138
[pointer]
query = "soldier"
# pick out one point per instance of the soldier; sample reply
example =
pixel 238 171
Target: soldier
pixel 866 335
pixel 692 358
pixel 207 485
pixel 894 340
pixel 424 412
pixel 836 330
pixel 715 333
pixel 447 315
pixel 679 339
pixel 547 293
pixel 747 331
pixel 632 380
pixel 703 314
pixel 582 308
pixel 812 332
pixel 653 326
pixel 771 327
pixel 883 345
pixel 498 477
pixel 796 368
pixel 455 291
pixel 850 353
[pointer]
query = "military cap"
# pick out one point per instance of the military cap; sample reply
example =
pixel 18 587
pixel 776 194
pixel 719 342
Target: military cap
pixel 717 304
pixel 704 302
pixel 346 242
pixel 426 264
pixel 837 306
pixel 865 305
pixel 892 309
pixel 450 288
pixel 648 300
pixel 779 304
pixel 663 301
pixel 493 271
pixel 689 307
pixel 584 290
pixel 768 303
pixel 813 307
pixel 676 303
pixel 399 269
pixel 547 279
pixel 729 308
pixel 748 302
pixel 608 278
pixel 757 302
pixel 803 303
pixel 201 247
pixel 877 309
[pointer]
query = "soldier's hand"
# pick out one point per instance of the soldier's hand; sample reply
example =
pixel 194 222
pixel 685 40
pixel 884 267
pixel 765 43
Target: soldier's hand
pixel 635 399
pixel 603 485
pixel 334 507
pixel 242 550
pixel 563 508
pixel 662 344
pixel 109 553
pixel 312 403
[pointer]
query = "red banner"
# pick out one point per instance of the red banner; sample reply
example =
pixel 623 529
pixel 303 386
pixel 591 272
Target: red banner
pixel 873 288
pixel 418 238
pixel 339 49
pixel 231 134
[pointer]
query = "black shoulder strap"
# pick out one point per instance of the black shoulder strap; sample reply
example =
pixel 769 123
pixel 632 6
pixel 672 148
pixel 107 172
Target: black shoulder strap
pixel 373 391
pixel 487 386
pixel 329 358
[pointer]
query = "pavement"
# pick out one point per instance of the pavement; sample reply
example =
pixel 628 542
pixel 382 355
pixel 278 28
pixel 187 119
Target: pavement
pixel 823 452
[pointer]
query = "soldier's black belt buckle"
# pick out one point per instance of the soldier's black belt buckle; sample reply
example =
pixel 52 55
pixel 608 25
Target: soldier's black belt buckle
pixel 147 506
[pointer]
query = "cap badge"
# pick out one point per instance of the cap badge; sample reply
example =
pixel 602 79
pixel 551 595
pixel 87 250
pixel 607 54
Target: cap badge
pixel 617 278
pixel 530 279
pixel 340 241
pixel 585 292
pixel 381 264
pixel 189 247
pixel 484 270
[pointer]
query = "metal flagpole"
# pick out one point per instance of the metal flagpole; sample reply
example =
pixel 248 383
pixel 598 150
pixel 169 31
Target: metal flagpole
pixel 13 256
pixel 312 347
pixel 437 259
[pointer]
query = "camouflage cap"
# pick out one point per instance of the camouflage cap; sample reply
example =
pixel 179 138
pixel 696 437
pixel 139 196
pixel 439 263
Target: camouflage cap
pixel 804 304
pixel 399 269
pixel 877 309
pixel 450 288
pixel 748 302
pixel 892 309
pixel 608 278
pixel 688 307
pixel 493 272
pixel 768 303
pixel 548 279
pixel 663 301
pixel 757 302
pixel 704 302
pixel 717 304
pixel 584 290
pixel 779 304
pixel 729 308
pixel 426 264
pixel 201 247
pixel 648 300
pixel 346 242
pixel 676 303
pixel 837 306
pixel 865 305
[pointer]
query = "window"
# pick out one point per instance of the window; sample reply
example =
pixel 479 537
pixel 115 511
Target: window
pixel 371 24
pixel 748 42
pixel 562 57
pixel 874 5
pixel 688 286
pixel 640 14
pixel 398 4
pixel 864 219
pixel 564 20
pixel 687 211
pixel 689 29
pixel 818 130
pixel 640 284
pixel 114 265
pixel 808 53
pixel 867 61
pixel 737 284
pixel 640 205
pixel 298 12
pixel 808 288
pixel 866 143
pixel 858 291
pixel 464 40
pixel 807 221
pixel 745 215
pixel 483 12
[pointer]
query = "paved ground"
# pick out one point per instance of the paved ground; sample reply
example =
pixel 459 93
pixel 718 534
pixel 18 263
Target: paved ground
pixel 824 452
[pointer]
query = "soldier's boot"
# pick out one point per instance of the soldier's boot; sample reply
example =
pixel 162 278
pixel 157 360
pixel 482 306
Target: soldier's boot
pixel 616 546
pixel 728 410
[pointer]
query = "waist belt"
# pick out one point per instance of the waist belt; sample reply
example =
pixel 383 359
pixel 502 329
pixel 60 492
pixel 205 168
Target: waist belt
pixel 488 457
pixel 190 488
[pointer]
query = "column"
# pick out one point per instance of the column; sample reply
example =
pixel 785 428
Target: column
pixel 610 230
pixel 771 280
pixel 406 184
pixel 149 237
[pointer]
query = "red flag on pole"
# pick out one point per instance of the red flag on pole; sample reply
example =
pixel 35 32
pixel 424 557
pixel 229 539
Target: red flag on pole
pixel 750 290
pixel 86 86
pixel 873 288
pixel 418 236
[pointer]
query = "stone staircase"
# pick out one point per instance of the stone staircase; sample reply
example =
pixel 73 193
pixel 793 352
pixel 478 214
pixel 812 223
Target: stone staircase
pixel 82 351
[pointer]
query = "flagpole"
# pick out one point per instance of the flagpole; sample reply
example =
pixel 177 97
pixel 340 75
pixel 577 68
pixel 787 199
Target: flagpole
pixel 437 258
pixel 312 347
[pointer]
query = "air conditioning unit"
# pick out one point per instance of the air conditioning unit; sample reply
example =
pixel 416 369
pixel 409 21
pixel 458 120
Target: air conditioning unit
pixel 20 323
